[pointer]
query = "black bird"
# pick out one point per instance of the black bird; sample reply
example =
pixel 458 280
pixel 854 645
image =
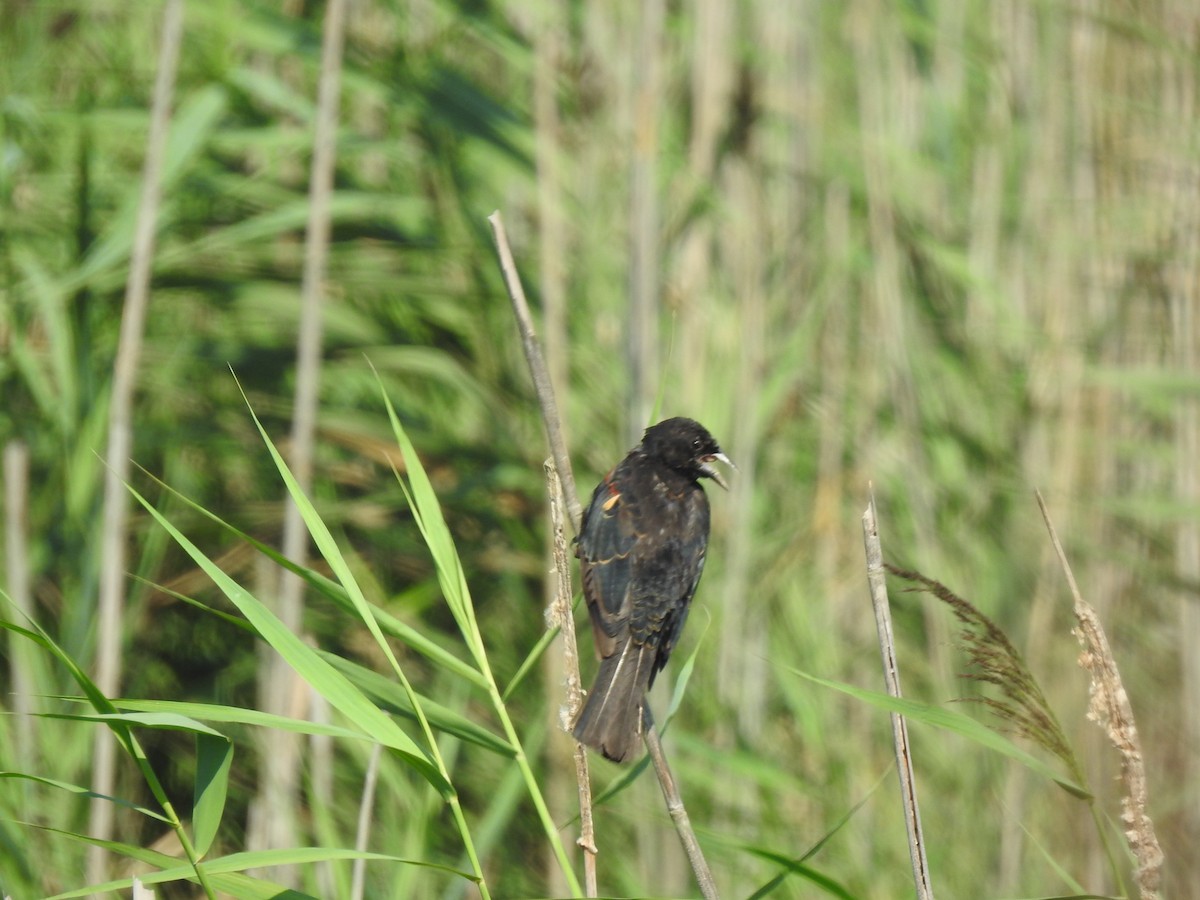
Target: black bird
pixel 641 550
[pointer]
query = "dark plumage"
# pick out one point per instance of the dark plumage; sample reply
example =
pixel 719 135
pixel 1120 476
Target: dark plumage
pixel 641 551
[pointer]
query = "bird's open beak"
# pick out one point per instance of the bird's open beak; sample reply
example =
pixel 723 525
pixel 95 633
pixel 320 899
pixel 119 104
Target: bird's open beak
pixel 713 473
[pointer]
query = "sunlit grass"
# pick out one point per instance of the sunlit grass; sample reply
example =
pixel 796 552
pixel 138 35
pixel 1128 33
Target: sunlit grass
pixel 942 248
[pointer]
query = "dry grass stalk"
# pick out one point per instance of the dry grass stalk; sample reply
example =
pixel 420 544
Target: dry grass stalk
pixel 1110 709
pixel 110 620
pixel 891 676
pixel 276 810
pixel 676 809
pixel 559 616
pixel 537 370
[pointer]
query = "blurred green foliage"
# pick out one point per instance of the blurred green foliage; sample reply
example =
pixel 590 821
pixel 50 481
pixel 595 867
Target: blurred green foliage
pixel 940 248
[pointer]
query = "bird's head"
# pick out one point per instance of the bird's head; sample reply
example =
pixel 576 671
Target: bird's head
pixel 686 446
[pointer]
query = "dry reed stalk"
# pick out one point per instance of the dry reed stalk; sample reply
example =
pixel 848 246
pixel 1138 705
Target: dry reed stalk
pixel 542 384
pixel 276 817
pixel 110 624
pixel 1185 313
pixel 1033 277
pixel 676 809
pixel 549 40
pixel 1179 197
pixel 362 830
pixel 1109 708
pixel 891 676
pixel 743 651
pixel 559 615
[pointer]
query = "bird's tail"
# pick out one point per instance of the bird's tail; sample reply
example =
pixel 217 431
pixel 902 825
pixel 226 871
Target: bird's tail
pixel 611 721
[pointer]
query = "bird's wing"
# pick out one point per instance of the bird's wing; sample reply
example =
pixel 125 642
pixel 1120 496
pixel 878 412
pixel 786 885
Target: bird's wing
pixel 606 545
pixel 667 573
pixel 673 626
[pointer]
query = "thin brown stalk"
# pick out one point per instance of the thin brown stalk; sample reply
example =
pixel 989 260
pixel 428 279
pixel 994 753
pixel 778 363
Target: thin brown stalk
pixel 1109 708
pixel 676 809
pixel 562 462
pixel 891 677
pixel 537 370
pixel 120 430
pixel 559 616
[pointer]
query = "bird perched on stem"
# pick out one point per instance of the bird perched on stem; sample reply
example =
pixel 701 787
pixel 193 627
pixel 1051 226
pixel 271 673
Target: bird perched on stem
pixel 641 551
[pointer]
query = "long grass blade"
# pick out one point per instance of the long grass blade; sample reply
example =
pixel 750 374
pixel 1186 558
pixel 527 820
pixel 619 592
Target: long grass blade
pixel 428 514
pixel 394 698
pixel 949 720
pixel 123 734
pixel 335 592
pixel 239 715
pixel 332 554
pixel 86 792
pixel 307 663
pixel 236 863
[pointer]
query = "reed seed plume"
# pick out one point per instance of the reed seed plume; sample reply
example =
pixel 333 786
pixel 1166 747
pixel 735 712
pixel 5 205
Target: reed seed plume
pixel 993 659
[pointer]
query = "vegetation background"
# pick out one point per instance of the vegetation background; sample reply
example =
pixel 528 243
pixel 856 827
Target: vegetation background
pixel 947 249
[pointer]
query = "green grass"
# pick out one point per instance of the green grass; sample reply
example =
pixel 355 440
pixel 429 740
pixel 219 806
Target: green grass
pixel 942 249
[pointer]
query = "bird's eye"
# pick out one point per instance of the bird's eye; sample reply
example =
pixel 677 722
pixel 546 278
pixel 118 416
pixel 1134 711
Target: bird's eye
pixel 696 443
